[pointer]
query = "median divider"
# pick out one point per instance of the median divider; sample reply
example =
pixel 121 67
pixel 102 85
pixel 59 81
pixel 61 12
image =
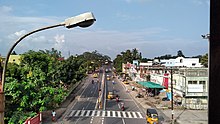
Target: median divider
pixel 101 96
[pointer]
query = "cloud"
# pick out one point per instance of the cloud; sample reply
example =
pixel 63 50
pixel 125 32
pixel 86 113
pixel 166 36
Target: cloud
pixel 201 2
pixel 38 39
pixel 150 41
pixel 17 34
pixel 111 42
pixel 5 9
pixel 13 27
pixel 59 38
pixel 20 33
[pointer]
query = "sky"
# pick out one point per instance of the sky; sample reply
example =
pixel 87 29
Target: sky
pixel 153 27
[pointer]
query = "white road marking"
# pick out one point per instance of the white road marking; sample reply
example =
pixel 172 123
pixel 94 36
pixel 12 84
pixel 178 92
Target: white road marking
pixel 93 113
pixel 91 120
pixel 134 114
pixel 98 113
pixel 113 114
pixel 123 121
pixel 119 114
pixel 77 113
pixel 82 113
pixel 129 115
pixel 71 114
pixel 102 120
pixel 124 115
pixel 139 114
pixel 88 112
pixel 103 114
pixel 108 114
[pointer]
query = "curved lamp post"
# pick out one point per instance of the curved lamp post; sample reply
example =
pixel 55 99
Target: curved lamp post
pixel 82 20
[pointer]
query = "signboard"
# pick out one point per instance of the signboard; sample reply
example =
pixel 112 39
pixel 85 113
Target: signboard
pixel 195 88
pixel 165 80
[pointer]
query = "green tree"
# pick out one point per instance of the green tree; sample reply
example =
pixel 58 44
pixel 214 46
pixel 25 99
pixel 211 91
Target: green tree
pixel 204 60
pixel 41 80
pixel 180 53
pixel 124 57
pixel 28 88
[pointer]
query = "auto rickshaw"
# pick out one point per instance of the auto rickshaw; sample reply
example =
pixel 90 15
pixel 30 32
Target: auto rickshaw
pixel 110 95
pixel 151 116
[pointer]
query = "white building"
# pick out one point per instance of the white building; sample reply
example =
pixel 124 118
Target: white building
pixel 181 62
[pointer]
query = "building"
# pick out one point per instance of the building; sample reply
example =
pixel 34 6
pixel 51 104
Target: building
pixel 14 59
pixel 192 85
pixel 190 79
pixel 181 62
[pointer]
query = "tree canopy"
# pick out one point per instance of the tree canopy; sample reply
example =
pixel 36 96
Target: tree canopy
pixel 41 80
pixel 126 56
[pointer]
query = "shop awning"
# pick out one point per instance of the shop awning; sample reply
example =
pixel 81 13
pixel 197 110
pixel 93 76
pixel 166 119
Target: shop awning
pixel 149 84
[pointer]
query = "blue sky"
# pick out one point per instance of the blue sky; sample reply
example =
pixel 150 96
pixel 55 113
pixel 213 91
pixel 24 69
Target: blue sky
pixel 154 27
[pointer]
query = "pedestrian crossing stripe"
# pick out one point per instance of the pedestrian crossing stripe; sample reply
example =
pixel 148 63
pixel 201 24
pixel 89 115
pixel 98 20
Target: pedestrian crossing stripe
pixel 97 113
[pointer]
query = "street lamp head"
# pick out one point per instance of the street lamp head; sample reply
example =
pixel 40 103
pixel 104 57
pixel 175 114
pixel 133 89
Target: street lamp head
pixel 207 36
pixel 83 20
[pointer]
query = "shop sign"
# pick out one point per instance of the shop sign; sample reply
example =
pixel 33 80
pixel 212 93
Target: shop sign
pixel 195 88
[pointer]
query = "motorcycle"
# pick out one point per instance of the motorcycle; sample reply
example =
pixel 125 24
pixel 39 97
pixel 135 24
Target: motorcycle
pixel 139 96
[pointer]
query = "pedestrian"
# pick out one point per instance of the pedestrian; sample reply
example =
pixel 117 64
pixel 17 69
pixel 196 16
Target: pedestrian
pixel 53 115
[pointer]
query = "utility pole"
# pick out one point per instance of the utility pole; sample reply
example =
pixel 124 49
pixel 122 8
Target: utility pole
pixel 172 93
pixel 171 87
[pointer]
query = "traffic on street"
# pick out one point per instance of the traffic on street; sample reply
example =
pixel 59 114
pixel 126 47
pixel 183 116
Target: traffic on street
pixel 87 107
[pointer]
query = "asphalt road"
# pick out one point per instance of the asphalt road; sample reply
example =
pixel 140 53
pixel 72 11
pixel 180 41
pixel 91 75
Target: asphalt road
pixel 132 113
pixel 84 109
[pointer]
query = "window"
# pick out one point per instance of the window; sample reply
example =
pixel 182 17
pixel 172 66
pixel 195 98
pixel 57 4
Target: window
pixel 193 64
pixel 192 82
pixel 202 82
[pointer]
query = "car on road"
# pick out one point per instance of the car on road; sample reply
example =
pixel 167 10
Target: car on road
pixel 108 77
pixel 111 95
pixel 95 75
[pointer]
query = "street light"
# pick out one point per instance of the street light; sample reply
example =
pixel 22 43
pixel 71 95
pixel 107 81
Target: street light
pixel 82 20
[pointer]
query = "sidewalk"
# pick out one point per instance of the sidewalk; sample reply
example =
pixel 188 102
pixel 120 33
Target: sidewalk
pixel 181 116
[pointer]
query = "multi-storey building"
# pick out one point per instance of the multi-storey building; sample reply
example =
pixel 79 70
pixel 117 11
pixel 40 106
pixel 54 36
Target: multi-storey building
pixel 181 62
pixel 190 80
pixel 192 85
